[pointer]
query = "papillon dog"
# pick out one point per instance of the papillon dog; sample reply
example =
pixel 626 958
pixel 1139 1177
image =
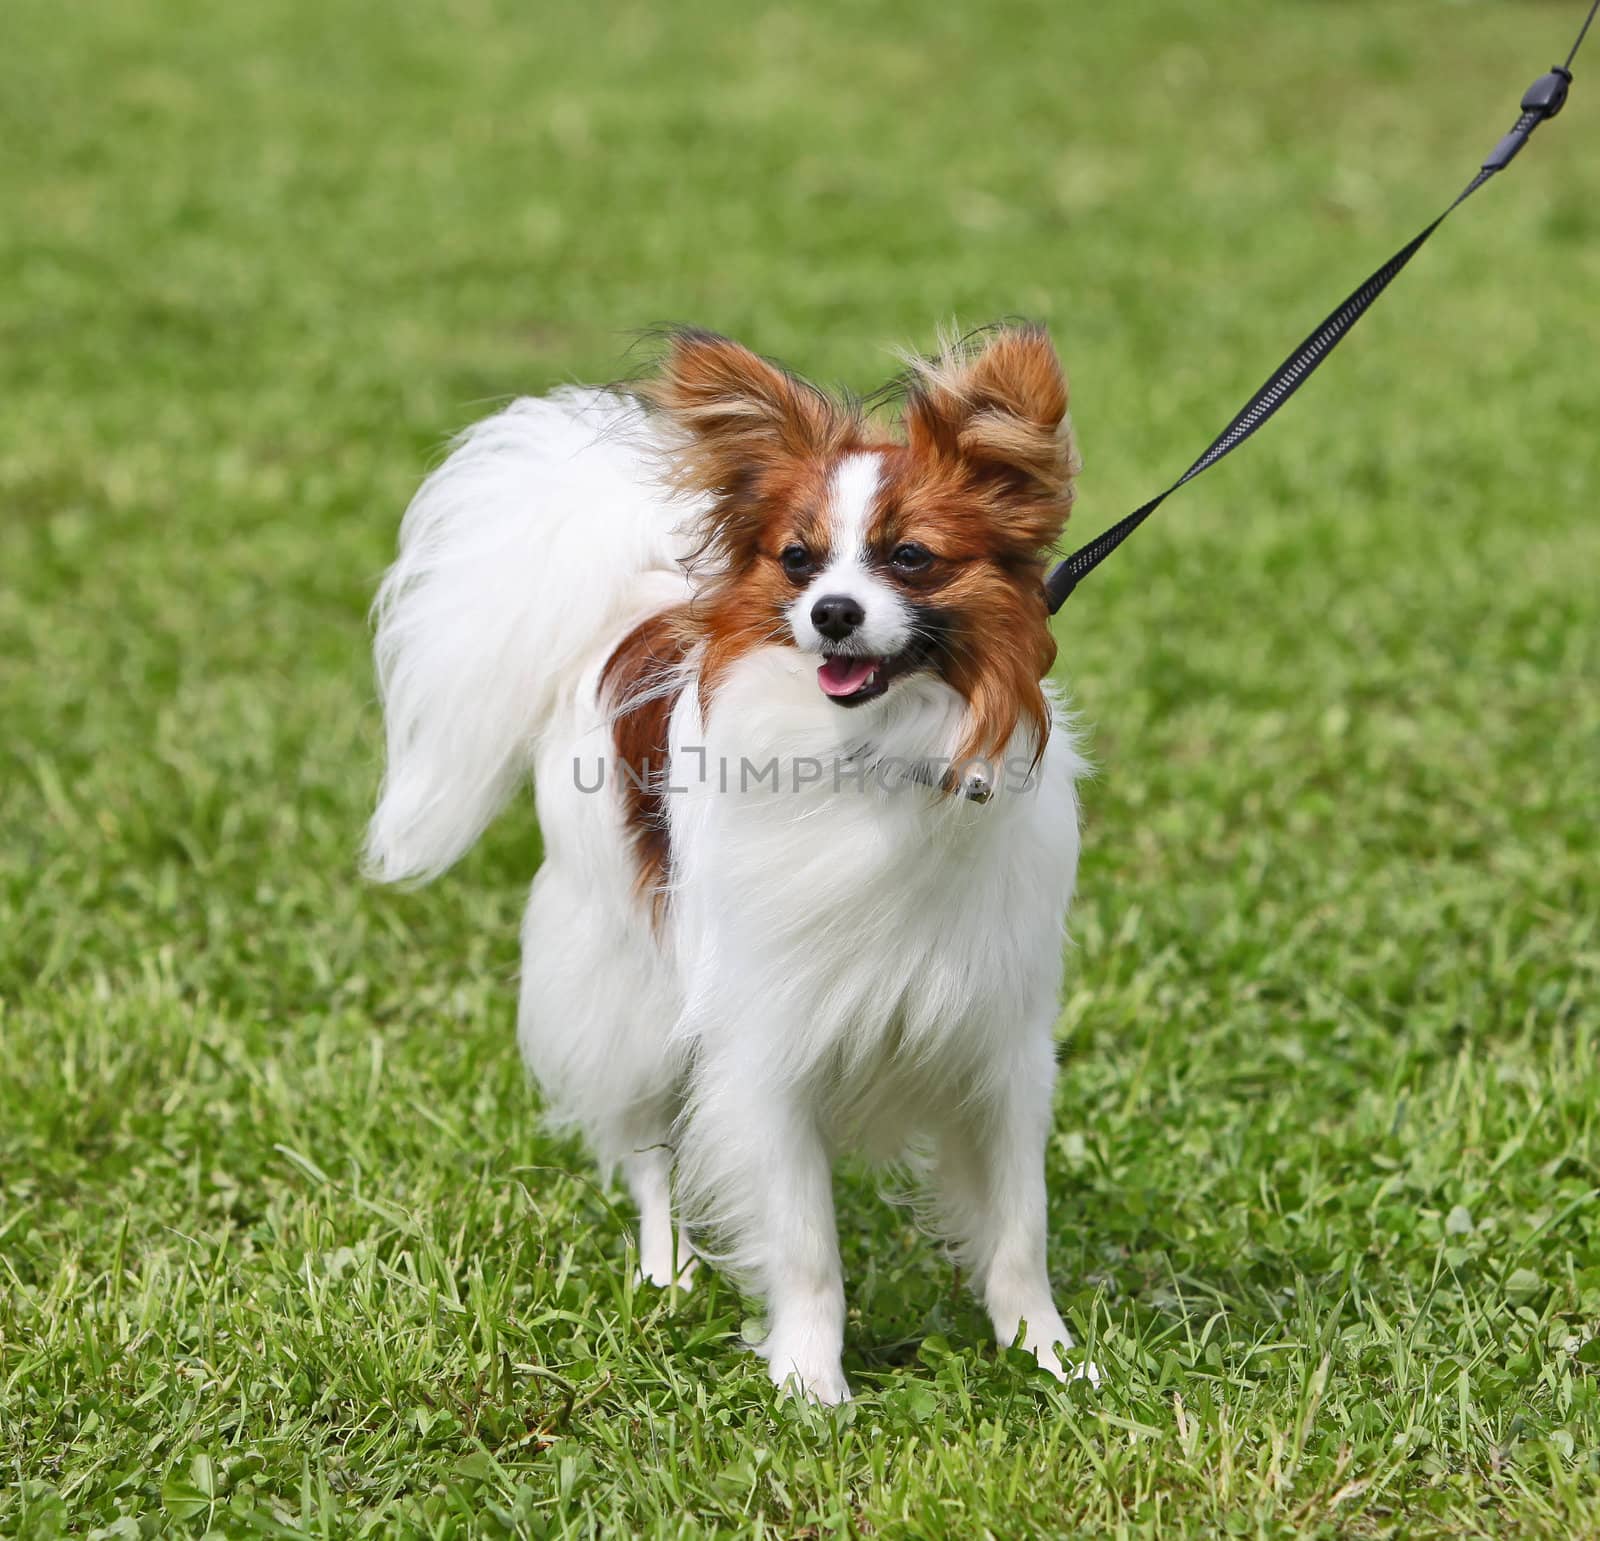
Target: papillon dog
pixel 777 669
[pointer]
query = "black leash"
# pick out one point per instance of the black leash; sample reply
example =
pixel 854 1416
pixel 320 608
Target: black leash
pixel 1543 99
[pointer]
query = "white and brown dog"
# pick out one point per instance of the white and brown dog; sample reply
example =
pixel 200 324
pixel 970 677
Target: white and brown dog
pixel 808 809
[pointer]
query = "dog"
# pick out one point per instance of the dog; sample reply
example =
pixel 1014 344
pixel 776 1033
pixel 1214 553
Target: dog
pixel 778 671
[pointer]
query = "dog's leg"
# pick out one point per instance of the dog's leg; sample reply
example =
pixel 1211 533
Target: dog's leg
pixel 596 1002
pixel 663 1256
pixel 799 1244
pixel 990 1176
pixel 756 1166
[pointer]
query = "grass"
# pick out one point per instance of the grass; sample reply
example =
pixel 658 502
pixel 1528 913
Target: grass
pixel 283 1249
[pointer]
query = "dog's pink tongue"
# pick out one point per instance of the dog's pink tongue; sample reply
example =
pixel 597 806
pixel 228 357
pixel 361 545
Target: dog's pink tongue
pixel 845 676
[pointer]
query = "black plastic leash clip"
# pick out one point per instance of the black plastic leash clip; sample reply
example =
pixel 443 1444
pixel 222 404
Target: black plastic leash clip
pixel 1543 99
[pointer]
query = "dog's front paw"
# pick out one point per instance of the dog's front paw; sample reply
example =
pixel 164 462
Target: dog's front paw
pixel 828 1387
pixel 1048 1359
pixel 800 1371
pixel 1045 1341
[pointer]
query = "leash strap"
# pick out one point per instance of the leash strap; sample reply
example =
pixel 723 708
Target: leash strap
pixel 1543 99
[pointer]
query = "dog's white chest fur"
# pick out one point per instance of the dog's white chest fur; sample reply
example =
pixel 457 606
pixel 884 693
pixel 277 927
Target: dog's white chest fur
pixel 838 918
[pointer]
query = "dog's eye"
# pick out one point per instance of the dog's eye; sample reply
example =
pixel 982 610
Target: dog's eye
pixel 910 558
pixel 796 561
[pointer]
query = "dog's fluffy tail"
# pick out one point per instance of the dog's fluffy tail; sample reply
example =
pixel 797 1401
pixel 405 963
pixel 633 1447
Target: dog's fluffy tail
pixel 517 557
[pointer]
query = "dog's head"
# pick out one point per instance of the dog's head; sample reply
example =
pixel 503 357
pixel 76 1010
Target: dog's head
pixel 883 556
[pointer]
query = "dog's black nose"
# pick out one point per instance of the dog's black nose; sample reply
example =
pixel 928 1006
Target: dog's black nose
pixel 836 616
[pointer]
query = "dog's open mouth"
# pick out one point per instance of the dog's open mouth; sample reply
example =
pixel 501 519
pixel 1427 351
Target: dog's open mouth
pixel 849 679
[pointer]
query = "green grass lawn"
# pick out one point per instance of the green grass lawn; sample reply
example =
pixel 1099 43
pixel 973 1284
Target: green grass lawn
pixel 283 1248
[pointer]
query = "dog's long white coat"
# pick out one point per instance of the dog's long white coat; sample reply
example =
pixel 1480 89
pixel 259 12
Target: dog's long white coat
pixel 844 964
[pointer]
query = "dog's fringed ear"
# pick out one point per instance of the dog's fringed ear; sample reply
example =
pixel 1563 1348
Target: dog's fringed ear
pixel 1001 407
pixel 740 413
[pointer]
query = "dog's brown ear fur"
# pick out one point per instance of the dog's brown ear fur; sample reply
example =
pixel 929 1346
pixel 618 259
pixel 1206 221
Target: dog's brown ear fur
pixel 741 414
pixel 1000 407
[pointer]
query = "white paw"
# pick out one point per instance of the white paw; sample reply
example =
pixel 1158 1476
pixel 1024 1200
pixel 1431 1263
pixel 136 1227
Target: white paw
pixel 659 1273
pixel 1049 1359
pixel 1044 1342
pixel 822 1384
pixel 799 1364
pixel 1041 1339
